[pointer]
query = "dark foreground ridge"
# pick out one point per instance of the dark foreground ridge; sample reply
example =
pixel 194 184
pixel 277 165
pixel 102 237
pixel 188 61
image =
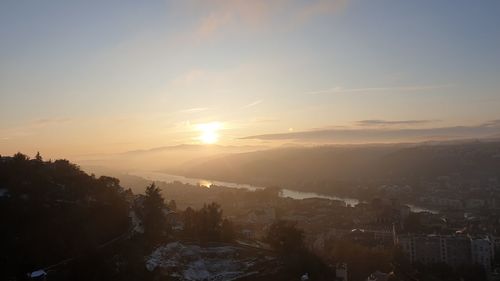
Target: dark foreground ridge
pixel 59 223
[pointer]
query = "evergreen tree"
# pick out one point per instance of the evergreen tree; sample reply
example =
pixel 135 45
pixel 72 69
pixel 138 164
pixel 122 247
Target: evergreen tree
pixel 214 221
pixel 154 217
pixel 189 217
pixel 20 157
pixel 207 224
pixel 227 231
pixel 285 237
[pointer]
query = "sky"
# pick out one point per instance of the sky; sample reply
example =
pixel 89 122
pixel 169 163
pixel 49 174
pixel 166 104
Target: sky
pixel 84 77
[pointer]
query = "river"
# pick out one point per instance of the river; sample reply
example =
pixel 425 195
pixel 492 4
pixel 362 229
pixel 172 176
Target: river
pixel 156 176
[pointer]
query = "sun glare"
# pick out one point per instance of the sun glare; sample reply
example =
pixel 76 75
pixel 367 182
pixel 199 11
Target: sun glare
pixel 205 183
pixel 209 132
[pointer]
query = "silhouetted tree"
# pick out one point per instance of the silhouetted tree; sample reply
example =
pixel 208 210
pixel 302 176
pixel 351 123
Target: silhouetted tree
pixel 154 218
pixel 207 224
pixel 362 259
pixel 288 241
pixel 285 237
pixel 20 157
pixel 227 231
pixel 38 157
pixel 55 211
pixel 189 217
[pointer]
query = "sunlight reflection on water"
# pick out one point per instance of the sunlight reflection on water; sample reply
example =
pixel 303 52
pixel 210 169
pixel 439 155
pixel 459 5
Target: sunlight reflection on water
pixel 205 183
pixel 285 192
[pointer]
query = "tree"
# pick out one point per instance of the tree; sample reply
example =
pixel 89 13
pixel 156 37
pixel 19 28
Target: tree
pixel 227 231
pixel 189 217
pixel 362 260
pixel 20 157
pixel 288 241
pixel 172 206
pixel 207 224
pixel 285 237
pixel 214 221
pixel 154 218
pixel 38 157
pixel 46 200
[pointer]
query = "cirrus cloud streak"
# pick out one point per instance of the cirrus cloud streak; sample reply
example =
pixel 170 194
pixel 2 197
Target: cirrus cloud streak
pixel 489 129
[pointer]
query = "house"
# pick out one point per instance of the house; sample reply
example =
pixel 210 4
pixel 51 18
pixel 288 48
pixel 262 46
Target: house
pixel 341 272
pixel 378 276
pixel 454 250
pixel 482 251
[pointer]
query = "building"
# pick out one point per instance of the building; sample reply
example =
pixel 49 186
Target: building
pixel 422 248
pixel 474 203
pixel 378 276
pixel 454 250
pixel 341 272
pixel 457 249
pixel 482 251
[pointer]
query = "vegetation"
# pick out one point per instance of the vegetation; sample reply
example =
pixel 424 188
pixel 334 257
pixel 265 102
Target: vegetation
pixel 51 211
pixel 337 170
pixel 54 215
pixel 153 215
pixel 288 241
pixel 285 237
pixel 362 260
pixel 207 224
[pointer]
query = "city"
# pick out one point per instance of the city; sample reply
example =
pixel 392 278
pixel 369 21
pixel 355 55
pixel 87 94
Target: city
pixel 249 140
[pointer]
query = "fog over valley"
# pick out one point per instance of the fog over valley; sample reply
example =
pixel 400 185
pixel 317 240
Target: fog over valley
pixel 250 140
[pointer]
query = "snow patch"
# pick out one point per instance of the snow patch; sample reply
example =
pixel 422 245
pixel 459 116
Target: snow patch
pixel 193 263
pixel 38 273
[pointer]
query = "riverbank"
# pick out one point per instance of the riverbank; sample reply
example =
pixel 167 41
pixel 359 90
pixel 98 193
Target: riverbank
pixel 298 195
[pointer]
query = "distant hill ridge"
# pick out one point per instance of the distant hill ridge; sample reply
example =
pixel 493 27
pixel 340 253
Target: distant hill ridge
pixel 299 166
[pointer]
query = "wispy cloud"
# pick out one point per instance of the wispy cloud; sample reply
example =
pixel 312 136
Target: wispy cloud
pixel 264 120
pixel 212 23
pixel 320 7
pixel 32 127
pixel 382 134
pixel 380 123
pixel 50 121
pixel 225 13
pixel 252 104
pixel 194 110
pixel 416 88
pixel 257 14
pixel 492 123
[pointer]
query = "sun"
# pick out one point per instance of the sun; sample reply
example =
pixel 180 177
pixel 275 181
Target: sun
pixel 209 132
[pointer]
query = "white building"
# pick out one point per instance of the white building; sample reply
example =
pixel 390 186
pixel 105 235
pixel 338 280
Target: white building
pixel 454 250
pixel 341 272
pixel 482 250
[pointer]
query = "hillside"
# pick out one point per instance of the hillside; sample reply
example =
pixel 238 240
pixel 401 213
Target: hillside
pixel 59 223
pixel 52 211
pixel 317 168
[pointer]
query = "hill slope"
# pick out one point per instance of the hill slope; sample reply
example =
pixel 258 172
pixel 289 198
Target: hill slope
pixel 313 168
pixel 51 211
